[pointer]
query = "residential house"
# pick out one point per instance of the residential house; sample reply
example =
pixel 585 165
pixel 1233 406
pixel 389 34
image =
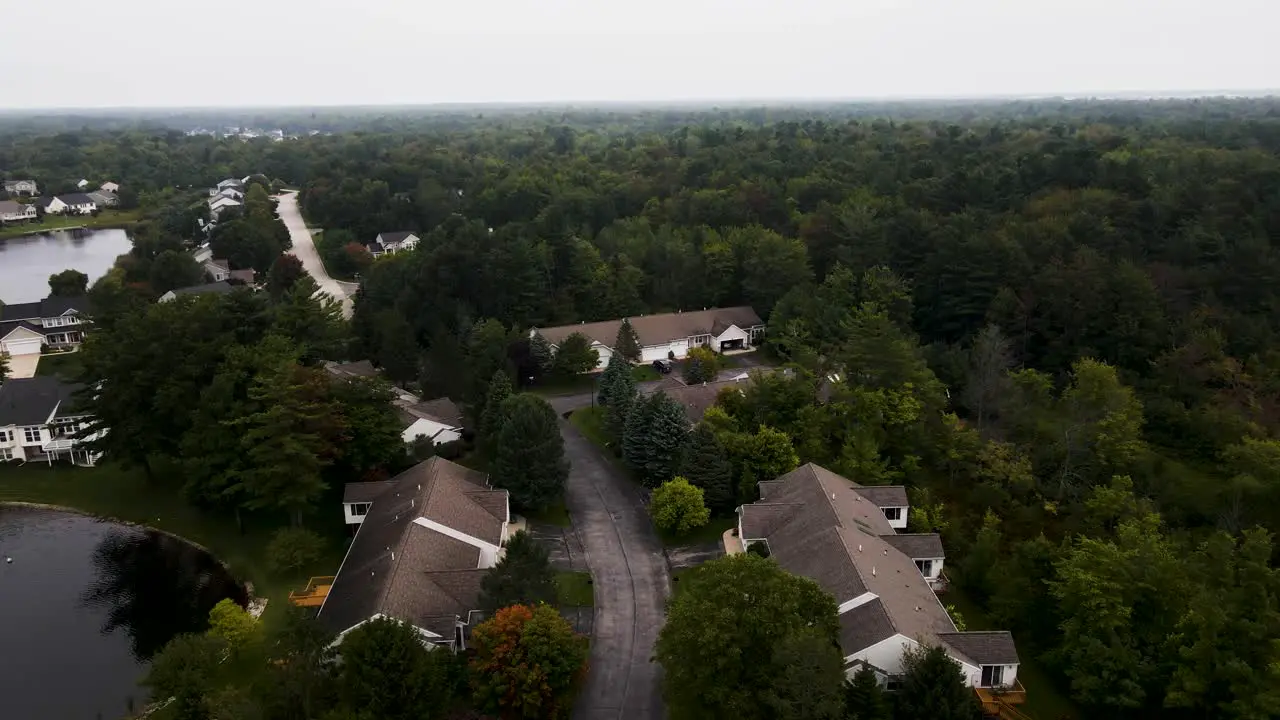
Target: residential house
pixel 21 187
pixel 670 335
pixel 51 205
pixel 824 527
pixel 425 539
pixel 39 421
pixel 348 370
pixel 110 187
pixel 78 203
pixel 696 398
pixel 217 268
pixel 11 212
pixel 214 288
pixel 220 204
pixel 246 276
pixel 82 184
pixel 202 254
pixel 389 243
pixel 231 183
pixel 439 420
pixel 233 193
pixel 103 199
pixel 58 322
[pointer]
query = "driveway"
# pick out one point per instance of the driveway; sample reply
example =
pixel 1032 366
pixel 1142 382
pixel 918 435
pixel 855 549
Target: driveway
pixel 23 366
pixel 305 250
pixel 631 586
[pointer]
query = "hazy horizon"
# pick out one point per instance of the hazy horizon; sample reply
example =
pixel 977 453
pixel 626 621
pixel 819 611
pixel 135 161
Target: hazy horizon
pixel 386 53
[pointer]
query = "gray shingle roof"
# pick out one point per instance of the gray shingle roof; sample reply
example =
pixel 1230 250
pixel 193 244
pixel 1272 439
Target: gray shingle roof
pixel 917 546
pixel 441 409
pixel 357 492
pixel 76 199
pixel 49 307
pixel 660 329
pixel 989 647
pixel 360 368
pixel 884 495
pixel 32 401
pixel 395 237
pixel 393 562
pixel 696 399
pixel 217 288
pixel 865 626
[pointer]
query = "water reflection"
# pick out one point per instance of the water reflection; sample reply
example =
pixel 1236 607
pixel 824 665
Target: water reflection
pixel 152 586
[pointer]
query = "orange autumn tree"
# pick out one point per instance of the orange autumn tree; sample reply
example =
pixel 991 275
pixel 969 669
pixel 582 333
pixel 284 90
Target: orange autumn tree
pixel 527 663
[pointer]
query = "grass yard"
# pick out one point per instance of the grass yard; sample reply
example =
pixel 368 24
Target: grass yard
pixel 574 589
pixel 64 365
pixel 105 219
pixel 587 382
pixel 1044 700
pixel 591 423
pixel 711 532
pixel 111 492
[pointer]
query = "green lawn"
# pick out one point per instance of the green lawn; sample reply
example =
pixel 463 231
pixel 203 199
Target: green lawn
pixel 590 422
pixel 111 492
pixel 557 515
pixel 711 532
pixel 105 219
pixel 1044 700
pixel 587 382
pixel 64 365
pixel 574 588
pixel 644 373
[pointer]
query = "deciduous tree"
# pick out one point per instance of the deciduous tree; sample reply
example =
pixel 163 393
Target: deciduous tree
pixel 293 548
pixel 701 365
pixel 68 283
pixel 388 672
pixel 677 507
pixel 933 688
pixel 575 356
pixel 527 662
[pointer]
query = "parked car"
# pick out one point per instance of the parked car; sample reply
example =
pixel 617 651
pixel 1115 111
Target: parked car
pixel 662 366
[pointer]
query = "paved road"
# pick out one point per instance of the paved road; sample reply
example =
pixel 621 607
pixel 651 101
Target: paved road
pixel 631 586
pixel 305 250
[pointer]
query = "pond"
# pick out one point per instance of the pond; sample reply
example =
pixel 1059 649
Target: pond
pixel 26 262
pixel 85 604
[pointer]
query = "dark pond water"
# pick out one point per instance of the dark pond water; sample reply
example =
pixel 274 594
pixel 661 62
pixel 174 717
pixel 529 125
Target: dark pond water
pixel 85 604
pixel 26 262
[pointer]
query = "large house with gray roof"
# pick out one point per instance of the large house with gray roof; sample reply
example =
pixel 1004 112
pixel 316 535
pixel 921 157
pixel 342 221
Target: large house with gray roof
pixel 55 322
pixel 427 538
pixel 39 422
pixel 822 526
pixel 668 335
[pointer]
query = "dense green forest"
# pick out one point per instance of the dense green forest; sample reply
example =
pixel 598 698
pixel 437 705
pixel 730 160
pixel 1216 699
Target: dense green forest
pixel 1057 323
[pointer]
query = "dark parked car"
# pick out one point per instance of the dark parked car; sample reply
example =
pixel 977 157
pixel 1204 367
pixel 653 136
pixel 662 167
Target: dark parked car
pixel 662 366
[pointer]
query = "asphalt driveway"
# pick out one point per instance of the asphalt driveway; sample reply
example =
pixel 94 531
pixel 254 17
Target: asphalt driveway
pixel 631 586
pixel 304 248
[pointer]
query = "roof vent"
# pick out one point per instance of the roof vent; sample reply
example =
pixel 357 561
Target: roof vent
pixel 917 608
pixel 886 552
pixel 859 547
pixel 393 557
pixel 833 496
pixel 873 571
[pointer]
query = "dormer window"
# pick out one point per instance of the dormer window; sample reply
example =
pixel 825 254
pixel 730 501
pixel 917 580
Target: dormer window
pixel 893 513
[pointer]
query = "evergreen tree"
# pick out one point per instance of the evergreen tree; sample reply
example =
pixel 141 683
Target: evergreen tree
pixel 529 457
pixel 706 464
pixel 863 698
pixel 522 577
pixel 617 394
pixel 654 438
pixel 609 378
pixel 627 344
pixel 933 688
pixel 491 416
pixel 387 672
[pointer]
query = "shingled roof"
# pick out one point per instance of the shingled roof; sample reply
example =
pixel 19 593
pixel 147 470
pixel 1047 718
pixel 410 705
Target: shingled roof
pixel 695 399
pixel 660 329
pixel 400 566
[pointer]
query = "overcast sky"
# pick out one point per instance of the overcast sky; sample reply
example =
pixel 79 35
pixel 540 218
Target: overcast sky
pixel 90 53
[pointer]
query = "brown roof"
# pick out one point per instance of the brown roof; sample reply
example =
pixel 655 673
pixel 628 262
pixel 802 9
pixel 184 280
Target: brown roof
pixel 991 647
pixel 820 525
pixel 357 492
pixel 246 275
pixel 392 564
pixel 660 329
pixel 884 495
pixel 917 546
pixel 695 399
pixel 441 410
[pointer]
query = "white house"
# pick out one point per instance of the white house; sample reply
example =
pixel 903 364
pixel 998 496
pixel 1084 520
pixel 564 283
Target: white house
pixel 439 420
pixel 38 421
pixel 11 211
pixel 217 268
pixel 110 187
pixel 670 335
pixel 21 187
pixel 231 183
pixel 51 205
pixel 822 526
pixel 431 533
pixel 390 243
pixel 26 328
pixel 219 204
pixel 82 184
pixel 78 203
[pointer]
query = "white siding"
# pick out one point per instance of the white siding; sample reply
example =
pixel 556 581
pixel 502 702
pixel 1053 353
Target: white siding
pixel 649 353
pixel 22 341
pixel 605 354
pixel 885 655
pixel 732 333
pixel 348 512
pixel 901 522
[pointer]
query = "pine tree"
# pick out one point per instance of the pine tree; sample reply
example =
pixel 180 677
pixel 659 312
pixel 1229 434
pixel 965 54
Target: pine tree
pixel 863 698
pixel 617 394
pixel 491 416
pixel 652 445
pixel 635 431
pixel 706 464
pixel 627 344
pixel 933 689
pixel 608 379
pixel 528 459
pixel 522 577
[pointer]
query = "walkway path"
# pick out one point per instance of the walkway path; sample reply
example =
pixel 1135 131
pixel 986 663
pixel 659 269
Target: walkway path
pixel 304 248
pixel 630 581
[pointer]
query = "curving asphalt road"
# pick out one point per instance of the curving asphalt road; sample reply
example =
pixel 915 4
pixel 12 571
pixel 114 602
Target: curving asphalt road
pixel 304 248
pixel 630 581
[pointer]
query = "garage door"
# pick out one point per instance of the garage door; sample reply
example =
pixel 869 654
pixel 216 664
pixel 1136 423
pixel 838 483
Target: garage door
pixel 26 346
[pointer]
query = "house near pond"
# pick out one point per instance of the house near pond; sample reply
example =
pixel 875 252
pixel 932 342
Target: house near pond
pixel 439 420
pixel 56 322
pixel 22 187
pixel 669 335
pixel 11 212
pixel 842 535
pixel 39 422
pixel 427 537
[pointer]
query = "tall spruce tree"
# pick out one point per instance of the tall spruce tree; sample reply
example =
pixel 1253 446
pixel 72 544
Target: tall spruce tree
pixel 522 577
pixel 491 416
pixel 618 395
pixel 863 698
pixel 934 689
pixel 627 344
pixel 608 379
pixel 652 444
pixel 706 465
pixel 528 459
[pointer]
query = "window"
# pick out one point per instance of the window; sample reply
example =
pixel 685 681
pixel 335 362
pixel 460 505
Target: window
pixel 893 513
pixel 5 436
pixel 992 675
pixel 893 683
pixel 359 509
pixel 926 567
pixel 6 454
pixel 31 435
